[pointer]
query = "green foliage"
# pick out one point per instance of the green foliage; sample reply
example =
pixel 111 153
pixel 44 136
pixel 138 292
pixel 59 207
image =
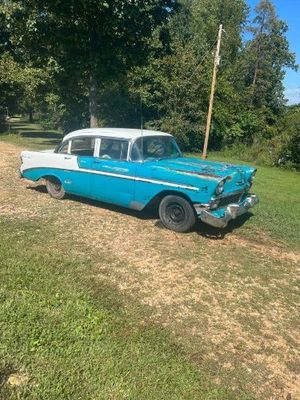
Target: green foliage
pixel 22 86
pixel 90 42
pixel 265 57
pixel 175 86
pixel 279 147
pixel 125 61
pixel 289 138
pixel 169 88
pixel 261 152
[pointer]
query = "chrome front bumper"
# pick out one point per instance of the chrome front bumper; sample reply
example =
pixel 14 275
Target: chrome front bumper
pixel 232 211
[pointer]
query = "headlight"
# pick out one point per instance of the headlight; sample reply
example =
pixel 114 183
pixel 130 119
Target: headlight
pixel 220 188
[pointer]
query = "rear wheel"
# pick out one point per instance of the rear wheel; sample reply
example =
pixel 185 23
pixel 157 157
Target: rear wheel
pixel 177 214
pixel 55 188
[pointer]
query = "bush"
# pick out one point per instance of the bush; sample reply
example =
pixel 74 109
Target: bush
pixel 289 137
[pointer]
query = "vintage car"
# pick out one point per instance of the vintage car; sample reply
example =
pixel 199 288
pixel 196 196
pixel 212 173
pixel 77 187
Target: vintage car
pixel 137 168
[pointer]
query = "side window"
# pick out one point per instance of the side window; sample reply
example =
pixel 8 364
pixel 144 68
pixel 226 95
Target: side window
pixel 114 149
pixel 63 149
pixel 83 146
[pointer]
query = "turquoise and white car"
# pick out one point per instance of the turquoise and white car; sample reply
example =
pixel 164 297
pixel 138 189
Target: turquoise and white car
pixel 135 169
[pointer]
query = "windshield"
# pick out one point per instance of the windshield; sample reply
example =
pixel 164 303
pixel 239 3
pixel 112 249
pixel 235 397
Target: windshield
pixel 154 148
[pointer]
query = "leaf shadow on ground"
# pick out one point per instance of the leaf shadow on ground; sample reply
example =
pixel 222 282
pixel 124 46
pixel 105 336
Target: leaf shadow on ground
pixel 41 135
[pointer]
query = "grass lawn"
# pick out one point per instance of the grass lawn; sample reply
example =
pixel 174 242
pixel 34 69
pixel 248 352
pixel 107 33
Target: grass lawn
pixel 65 343
pixel 97 302
pixel 31 135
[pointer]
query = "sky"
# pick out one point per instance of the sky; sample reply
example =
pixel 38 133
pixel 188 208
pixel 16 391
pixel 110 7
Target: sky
pixel 289 11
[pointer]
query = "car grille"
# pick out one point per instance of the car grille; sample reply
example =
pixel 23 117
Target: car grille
pixel 234 198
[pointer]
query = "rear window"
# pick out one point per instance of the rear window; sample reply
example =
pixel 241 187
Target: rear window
pixel 114 149
pixel 83 146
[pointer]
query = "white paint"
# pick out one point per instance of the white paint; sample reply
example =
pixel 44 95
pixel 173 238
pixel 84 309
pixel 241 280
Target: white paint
pixel 35 159
pixel 120 133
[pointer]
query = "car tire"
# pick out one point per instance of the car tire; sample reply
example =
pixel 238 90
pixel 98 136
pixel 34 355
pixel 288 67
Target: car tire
pixel 55 188
pixel 177 213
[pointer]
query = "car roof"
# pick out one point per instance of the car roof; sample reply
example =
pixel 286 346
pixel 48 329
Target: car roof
pixel 123 133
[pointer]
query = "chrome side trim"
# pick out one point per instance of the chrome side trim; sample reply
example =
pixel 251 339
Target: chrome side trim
pixel 121 176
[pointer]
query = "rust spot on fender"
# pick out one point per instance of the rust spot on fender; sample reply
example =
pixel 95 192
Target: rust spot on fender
pixel 207 174
pixel 135 205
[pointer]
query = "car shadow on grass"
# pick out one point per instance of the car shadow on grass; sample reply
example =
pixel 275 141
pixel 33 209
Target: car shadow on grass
pixel 210 232
pixel 150 213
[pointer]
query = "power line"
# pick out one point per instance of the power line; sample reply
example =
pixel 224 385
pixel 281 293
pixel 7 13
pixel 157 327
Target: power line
pixel 203 58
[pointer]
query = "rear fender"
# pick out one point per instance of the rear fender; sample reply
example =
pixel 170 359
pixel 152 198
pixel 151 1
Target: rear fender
pixel 35 174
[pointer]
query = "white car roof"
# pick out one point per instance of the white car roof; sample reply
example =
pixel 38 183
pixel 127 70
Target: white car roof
pixel 115 132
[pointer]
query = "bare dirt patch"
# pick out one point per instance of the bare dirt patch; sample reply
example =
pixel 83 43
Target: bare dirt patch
pixel 17 379
pixel 232 304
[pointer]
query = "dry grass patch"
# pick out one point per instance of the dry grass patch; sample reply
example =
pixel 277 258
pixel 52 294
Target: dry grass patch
pixel 232 303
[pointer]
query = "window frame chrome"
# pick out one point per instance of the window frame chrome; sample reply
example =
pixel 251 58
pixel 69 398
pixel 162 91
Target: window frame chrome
pixel 70 145
pixel 98 147
pixel 139 137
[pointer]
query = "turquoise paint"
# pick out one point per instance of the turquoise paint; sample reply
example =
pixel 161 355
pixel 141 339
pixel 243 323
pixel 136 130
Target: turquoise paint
pixel 135 184
pixel 79 182
pixel 113 189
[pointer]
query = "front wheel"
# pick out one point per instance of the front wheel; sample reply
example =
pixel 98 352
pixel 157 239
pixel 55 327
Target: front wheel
pixel 55 188
pixel 177 214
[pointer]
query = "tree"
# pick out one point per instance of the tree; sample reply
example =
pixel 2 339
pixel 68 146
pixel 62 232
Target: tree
pixel 267 54
pixel 21 86
pixel 289 137
pixel 175 84
pixel 91 41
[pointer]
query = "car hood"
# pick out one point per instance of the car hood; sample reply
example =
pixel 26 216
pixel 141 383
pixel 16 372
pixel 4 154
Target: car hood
pixel 194 170
pixel 204 168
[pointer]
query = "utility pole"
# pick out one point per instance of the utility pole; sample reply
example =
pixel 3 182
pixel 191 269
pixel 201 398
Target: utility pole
pixel 212 92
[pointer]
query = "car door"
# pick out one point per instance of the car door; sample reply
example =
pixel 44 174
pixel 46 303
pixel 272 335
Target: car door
pixel 78 158
pixel 113 177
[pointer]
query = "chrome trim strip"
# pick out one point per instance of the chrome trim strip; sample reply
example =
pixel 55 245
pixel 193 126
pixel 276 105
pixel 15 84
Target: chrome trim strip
pixel 130 177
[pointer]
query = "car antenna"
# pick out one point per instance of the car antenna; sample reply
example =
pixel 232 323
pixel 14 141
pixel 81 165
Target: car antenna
pixel 142 127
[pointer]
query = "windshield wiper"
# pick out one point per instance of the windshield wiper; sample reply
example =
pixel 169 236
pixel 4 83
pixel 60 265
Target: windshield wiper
pixel 165 158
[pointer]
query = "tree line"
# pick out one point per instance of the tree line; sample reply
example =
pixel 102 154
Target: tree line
pixel 80 63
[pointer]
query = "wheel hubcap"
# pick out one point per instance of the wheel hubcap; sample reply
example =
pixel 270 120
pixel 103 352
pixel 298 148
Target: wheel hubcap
pixel 175 213
pixel 56 187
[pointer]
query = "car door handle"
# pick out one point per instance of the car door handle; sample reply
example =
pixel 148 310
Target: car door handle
pixel 68 158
